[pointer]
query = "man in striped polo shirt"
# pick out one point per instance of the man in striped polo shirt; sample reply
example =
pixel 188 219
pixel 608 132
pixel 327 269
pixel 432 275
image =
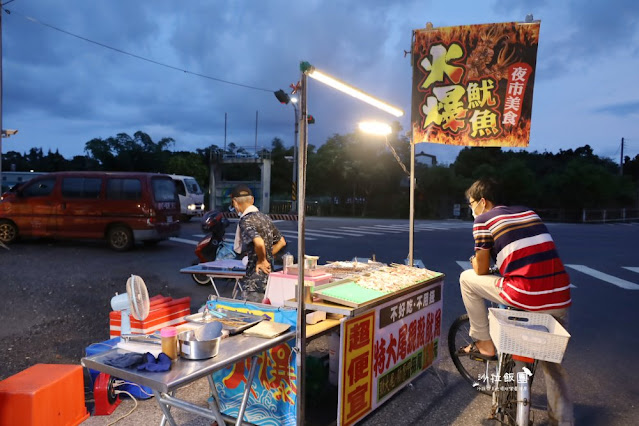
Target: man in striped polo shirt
pixel 532 278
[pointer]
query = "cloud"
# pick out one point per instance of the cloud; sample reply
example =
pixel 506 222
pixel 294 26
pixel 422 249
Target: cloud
pixel 61 91
pixel 622 109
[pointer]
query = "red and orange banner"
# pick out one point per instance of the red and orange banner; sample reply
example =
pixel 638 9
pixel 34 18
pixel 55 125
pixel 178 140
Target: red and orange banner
pixel 473 84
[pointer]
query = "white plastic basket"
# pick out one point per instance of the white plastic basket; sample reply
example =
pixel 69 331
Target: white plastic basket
pixel 511 333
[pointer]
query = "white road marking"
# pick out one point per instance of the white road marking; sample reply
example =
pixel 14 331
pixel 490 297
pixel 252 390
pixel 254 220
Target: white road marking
pixel 464 264
pixel 292 234
pixel 317 234
pixel 338 232
pixel 377 228
pixel 400 228
pixel 605 277
pixel 361 231
pixel 183 240
pixel 632 268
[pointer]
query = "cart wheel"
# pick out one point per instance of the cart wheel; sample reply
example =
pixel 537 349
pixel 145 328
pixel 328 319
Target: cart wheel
pixel 201 279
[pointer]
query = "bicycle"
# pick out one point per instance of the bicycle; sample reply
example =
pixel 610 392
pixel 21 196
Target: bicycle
pixel 511 403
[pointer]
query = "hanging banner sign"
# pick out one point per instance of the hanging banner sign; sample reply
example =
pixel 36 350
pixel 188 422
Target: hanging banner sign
pixel 473 84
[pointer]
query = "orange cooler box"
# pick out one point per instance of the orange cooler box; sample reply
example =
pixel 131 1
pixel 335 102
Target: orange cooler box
pixel 43 395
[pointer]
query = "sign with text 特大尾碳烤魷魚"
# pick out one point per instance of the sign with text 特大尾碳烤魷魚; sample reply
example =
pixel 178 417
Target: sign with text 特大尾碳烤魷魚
pixel 385 348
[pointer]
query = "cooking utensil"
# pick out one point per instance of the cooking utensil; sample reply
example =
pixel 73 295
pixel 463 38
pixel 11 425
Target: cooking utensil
pixel 209 331
pixel 191 348
pixel 141 338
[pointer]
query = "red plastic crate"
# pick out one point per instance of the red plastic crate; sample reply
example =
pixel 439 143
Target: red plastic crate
pixel 167 313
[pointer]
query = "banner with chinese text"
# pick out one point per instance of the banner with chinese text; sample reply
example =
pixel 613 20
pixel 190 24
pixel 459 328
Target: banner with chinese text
pixel 386 348
pixel 273 395
pixel 473 84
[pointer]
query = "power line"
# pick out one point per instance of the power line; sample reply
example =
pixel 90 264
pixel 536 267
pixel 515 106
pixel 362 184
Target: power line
pixel 138 56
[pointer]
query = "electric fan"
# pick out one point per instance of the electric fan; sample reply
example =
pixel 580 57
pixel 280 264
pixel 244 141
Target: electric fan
pixel 134 302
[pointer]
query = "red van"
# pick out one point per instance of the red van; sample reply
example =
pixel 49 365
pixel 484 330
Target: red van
pixel 121 207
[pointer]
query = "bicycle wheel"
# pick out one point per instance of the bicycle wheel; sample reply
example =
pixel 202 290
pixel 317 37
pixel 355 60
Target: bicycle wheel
pixel 474 371
pixel 505 393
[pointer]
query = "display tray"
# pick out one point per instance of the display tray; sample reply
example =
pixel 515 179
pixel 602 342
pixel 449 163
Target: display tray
pixel 234 322
pixel 348 293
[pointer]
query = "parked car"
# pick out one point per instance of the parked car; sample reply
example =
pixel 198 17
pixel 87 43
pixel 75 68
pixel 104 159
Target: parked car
pixel 190 195
pixel 121 207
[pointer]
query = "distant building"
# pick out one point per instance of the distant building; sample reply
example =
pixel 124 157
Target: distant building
pixel 9 179
pixel 427 159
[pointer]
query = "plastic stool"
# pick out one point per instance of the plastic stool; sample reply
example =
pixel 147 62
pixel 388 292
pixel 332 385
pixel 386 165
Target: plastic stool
pixel 44 394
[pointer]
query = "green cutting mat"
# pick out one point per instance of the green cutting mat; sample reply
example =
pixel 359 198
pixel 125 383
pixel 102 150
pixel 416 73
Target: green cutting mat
pixel 352 292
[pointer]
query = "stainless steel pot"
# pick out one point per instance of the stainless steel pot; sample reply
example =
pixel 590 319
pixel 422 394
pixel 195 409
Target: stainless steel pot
pixel 190 348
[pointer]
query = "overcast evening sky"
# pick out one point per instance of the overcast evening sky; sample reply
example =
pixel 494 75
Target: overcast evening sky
pixel 61 91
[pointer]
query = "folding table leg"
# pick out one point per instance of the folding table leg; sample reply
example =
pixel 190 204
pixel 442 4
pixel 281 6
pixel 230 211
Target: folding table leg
pixel 214 394
pixel 214 401
pixel 237 288
pixel 166 411
pixel 214 286
pixel 247 391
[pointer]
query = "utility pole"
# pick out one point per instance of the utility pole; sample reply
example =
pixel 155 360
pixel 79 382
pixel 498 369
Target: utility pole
pixel 621 160
pixel 256 114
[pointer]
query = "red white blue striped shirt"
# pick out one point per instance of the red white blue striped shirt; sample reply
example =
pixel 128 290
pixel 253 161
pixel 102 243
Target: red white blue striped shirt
pixel 534 277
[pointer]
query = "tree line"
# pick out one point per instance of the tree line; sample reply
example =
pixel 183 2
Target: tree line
pixel 358 175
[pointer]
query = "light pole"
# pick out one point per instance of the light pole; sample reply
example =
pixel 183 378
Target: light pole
pixel 295 140
pixel 285 99
pixel 307 70
pixel 383 129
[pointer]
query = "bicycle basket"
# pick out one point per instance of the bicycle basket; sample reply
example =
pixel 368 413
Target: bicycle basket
pixel 522 333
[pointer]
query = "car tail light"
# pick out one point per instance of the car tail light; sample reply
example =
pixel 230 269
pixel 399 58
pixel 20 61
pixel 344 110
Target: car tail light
pixel 152 217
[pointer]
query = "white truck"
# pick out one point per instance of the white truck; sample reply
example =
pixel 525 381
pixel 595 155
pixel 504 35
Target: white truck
pixel 191 197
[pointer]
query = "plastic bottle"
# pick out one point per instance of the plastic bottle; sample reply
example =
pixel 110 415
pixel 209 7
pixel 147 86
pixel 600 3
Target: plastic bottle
pixel 169 342
pixel 287 262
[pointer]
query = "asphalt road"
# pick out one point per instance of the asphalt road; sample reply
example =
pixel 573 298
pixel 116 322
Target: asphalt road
pixel 54 301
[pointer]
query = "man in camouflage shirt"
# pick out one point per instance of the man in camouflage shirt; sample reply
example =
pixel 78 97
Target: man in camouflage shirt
pixel 259 239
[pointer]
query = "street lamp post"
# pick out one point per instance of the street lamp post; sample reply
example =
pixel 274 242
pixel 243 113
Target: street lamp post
pixel 411 214
pixel 300 337
pixel 295 141
pixel 307 70
pixel 384 129
pixel 285 99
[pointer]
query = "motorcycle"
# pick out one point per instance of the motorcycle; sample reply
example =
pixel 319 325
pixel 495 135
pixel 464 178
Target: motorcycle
pixel 212 246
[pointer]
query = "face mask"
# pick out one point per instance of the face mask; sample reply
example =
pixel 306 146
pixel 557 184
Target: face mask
pixel 472 211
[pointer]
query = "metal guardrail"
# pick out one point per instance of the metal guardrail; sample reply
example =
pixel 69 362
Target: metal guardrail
pixel 285 207
pixel 607 215
pixel 314 208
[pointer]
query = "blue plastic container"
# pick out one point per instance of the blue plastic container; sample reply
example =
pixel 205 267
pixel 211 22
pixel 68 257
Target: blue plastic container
pixel 138 391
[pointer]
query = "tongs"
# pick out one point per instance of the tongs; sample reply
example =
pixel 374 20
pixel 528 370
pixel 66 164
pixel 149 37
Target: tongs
pixel 141 338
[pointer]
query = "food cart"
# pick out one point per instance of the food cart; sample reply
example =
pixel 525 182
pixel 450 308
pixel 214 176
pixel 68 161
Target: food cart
pixel 389 334
pixel 389 322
